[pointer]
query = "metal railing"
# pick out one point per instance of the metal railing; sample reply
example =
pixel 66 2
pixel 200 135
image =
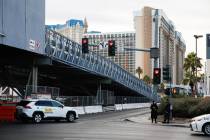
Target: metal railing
pixel 42 91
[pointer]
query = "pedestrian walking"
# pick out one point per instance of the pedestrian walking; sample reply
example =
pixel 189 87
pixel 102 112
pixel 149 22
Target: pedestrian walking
pixel 167 112
pixel 154 112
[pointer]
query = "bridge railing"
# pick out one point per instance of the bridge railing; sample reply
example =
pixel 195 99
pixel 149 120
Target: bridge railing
pixel 67 51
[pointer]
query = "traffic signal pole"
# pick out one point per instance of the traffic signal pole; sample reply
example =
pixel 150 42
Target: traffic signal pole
pixel 155 85
pixel 154 53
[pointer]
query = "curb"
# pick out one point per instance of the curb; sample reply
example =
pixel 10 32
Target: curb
pixel 163 124
pixel 177 125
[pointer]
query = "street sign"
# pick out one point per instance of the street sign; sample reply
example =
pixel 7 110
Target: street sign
pixel 154 52
pixel 208 40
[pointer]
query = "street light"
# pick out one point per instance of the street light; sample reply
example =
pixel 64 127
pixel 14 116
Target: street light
pixel 196 37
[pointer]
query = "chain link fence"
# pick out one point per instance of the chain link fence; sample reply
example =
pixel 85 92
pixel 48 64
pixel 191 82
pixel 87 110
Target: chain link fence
pixel 103 97
pixel 42 91
pixel 93 100
pixel 130 99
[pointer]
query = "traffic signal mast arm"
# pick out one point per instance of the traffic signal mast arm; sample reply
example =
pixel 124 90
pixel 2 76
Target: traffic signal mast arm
pixel 135 49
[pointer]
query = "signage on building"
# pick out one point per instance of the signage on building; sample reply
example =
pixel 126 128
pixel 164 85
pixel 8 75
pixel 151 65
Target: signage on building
pixel 208 40
pixel 101 45
pixel 33 44
pixel 208 46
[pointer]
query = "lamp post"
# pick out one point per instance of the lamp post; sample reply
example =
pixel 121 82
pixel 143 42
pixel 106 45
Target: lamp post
pixel 196 38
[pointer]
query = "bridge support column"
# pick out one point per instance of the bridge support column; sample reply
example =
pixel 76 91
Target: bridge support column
pixel 34 78
pixel 98 96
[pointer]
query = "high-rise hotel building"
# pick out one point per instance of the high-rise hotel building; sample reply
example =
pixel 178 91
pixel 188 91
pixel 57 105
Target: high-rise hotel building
pixel 73 29
pixel 155 29
pixel 99 44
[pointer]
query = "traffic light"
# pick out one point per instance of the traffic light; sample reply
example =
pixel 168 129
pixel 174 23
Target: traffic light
pixel 111 48
pixel 166 73
pixel 85 45
pixel 156 76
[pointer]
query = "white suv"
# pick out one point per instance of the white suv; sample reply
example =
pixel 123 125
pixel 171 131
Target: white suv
pixel 38 109
pixel 201 124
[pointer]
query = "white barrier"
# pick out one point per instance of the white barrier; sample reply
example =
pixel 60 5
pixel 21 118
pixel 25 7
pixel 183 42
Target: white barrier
pixel 97 109
pixel 131 106
pixel 79 109
pixel 118 107
pixel 93 109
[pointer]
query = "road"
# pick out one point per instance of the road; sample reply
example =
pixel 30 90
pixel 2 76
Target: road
pixel 105 126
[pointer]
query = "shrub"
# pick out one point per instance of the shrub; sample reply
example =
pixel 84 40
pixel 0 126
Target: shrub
pixel 182 107
pixel 203 107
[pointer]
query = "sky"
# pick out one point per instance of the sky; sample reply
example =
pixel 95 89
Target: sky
pixel 190 17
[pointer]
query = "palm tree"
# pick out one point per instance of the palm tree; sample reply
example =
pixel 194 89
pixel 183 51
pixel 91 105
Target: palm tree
pixel 139 71
pixel 191 65
pixel 147 79
pixel 162 86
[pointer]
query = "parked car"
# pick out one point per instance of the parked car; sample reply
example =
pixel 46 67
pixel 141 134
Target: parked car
pixel 39 109
pixel 201 124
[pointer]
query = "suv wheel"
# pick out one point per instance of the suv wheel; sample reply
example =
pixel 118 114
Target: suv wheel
pixel 70 117
pixel 206 129
pixel 37 117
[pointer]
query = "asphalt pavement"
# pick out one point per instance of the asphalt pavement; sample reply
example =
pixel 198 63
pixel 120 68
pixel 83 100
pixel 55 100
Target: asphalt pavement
pixel 103 126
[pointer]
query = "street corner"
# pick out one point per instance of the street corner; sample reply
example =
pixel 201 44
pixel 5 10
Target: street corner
pixel 138 119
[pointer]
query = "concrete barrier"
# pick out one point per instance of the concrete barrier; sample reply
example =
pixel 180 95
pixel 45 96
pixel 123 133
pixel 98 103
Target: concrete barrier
pixel 79 109
pixel 98 108
pixel 118 107
pixel 131 106
pixel 93 109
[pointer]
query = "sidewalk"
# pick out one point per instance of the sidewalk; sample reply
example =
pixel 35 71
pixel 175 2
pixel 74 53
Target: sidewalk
pixel 145 119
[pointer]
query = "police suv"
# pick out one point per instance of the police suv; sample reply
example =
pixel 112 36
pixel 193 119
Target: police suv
pixel 39 109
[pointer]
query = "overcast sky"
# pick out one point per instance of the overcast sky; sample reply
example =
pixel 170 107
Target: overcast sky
pixel 189 16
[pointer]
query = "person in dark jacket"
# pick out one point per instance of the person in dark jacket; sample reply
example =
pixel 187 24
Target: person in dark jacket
pixel 154 113
pixel 167 113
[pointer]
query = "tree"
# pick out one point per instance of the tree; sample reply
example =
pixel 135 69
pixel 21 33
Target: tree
pixel 147 79
pixel 139 71
pixel 191 64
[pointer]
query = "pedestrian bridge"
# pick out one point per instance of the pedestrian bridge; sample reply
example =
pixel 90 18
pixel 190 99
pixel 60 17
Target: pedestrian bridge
pixel 64 50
